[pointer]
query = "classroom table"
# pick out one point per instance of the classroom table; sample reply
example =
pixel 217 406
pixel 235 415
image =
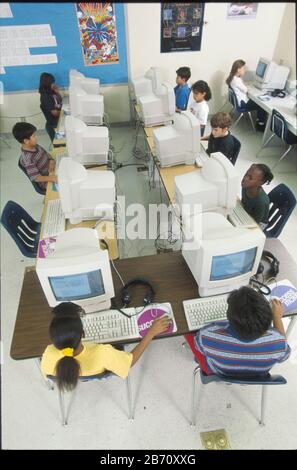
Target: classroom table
pixel 60 139
pixel 168 273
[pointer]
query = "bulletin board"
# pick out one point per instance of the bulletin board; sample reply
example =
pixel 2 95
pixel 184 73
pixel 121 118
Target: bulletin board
pixel 63 24
pixel 181 26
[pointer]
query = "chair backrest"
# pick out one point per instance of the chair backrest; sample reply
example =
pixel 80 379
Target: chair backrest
pixel 282 202
pixel 278 125
pixel 86 378
pixel 36 186
pixel 265 380
pixel 236 150
pixel 22 228
pixel 232 98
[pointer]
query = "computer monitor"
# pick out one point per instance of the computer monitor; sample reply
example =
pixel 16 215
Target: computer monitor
pixel 214 186
pixel 85 194
pixel 225 257
pixel 77 271
pixel 180 142
pixel 270 76
pixel 150 83
pixel 86 144
pixel 87 107
pixel 89 85
pixel 159 107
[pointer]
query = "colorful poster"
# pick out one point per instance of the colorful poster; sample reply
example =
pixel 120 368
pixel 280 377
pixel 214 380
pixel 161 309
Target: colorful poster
pixel 98 34
pixel 181 26
pixel 241 10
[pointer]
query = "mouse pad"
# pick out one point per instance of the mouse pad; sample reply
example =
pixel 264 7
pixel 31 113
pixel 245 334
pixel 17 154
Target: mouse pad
pixel 150 313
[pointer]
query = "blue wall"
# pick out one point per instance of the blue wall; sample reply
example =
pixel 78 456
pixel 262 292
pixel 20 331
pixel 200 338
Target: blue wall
pixel 63 22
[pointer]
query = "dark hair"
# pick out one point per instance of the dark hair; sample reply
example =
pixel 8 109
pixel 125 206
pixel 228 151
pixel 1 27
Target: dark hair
pixel 221 120
pixel 66 332
pixel 235 66
pixel 45 83
pixel 22 131
pixel 249 313
pixel 202 87
pixel 267 176
pixel 184 72
pixel 67 309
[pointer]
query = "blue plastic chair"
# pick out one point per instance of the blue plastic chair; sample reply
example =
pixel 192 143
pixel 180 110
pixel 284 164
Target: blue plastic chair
pixel 22 228
pixel 264 381
pixel 279 128
pixel 282 202
pixel 36 186
pixel 240 109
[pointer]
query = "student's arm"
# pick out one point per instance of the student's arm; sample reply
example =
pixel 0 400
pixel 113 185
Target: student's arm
pixel 206 137
pixel 51 165
pixel 55 112
pixel 159 326
pixel 277 313
pixel 46 179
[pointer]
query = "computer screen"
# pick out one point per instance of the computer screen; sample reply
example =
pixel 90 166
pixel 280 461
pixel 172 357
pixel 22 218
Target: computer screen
pixel 261 69
pixel 77 286
pixel 232 264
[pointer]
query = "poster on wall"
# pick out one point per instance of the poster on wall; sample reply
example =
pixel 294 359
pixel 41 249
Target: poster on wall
pixel 181 26
pixel 242 10
pixel 98 34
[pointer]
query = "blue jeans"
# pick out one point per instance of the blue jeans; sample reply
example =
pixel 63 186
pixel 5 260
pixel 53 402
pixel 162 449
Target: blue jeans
pixel 252 106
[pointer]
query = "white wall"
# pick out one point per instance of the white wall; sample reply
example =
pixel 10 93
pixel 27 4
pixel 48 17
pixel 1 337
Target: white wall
pixel 285 49
pixel 223 42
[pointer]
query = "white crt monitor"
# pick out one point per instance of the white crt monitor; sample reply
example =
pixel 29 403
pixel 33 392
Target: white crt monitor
pixel 77 271
pixel 148 84
pixel 225 257
pixel 85 194
pixel 270 76
pixel 214 186
pixel 159 107
pixel 90 85
pixel 87 145
pixel 178 143
pixel 87 107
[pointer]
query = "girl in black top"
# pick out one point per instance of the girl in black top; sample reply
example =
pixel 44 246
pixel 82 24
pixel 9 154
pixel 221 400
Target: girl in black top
pixel 50 102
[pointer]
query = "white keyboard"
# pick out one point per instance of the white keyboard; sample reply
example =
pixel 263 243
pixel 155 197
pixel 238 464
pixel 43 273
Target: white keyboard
pixel 240 218
pixel 110 325
pixel 205 310
pixel 54 222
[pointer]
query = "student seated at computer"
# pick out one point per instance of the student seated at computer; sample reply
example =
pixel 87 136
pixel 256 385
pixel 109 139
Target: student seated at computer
pixel 199 107
pixel 35 160
pixel 237 84
pixel 220 139
pixel 245 344
pixel 50 102
pixel 254 199
pixel 182 90
pixel 68 358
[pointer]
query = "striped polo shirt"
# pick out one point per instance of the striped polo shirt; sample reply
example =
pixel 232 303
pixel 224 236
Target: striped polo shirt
pixel 227 354
pixel 35 163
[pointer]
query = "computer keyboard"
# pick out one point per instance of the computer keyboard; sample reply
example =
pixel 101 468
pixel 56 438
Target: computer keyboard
pixel 240 218
pixel 110 325
pixel 54 222
pixel 205 310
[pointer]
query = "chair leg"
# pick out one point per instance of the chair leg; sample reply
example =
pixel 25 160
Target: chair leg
pixel 263 405
pixel 283 156
pixel 130 402
pixel 62 407
pixel 49 384
pixel 264 145
pixel 193 399
pixel 252 122
pixel 237 120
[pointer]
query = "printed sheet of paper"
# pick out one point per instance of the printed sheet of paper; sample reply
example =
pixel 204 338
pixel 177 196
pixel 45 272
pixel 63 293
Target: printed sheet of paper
pixel 5 10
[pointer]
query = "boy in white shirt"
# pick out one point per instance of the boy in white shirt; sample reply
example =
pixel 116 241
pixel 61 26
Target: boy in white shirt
pixel 200 109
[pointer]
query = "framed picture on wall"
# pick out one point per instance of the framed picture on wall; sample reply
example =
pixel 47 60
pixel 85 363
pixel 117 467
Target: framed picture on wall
pixel 181 26
pixel 241 11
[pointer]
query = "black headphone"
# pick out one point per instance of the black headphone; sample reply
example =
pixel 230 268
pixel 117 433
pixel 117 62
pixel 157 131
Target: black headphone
pixel 149 295
pixel 274 264
pixel 278 93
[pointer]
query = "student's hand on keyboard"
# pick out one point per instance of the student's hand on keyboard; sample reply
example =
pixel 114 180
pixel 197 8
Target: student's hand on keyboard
pixel 160 325
pixel 52 178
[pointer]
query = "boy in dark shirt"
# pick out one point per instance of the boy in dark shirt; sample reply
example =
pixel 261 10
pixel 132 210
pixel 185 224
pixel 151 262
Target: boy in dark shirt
pixel 220 139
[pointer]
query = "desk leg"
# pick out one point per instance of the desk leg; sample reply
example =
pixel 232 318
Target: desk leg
pixel 292 323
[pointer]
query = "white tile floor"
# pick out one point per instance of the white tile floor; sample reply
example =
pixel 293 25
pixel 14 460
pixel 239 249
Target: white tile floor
pixel 162 378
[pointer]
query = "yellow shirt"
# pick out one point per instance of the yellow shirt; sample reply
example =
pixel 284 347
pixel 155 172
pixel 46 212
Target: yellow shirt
pixel 94 359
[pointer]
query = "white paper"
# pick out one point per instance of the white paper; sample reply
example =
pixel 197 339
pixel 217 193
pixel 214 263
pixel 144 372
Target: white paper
pixel 5 10
pixel 2 70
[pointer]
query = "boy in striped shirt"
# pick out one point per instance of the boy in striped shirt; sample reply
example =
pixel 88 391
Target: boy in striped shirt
pixel 246 344
pixel 38 164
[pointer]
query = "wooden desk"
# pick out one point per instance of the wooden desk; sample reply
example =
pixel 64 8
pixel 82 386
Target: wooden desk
pixel 60 141
pixel 168 272
pixel 106 228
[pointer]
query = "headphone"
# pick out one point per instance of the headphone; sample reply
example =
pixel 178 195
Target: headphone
pixel 274 264
pixel 149 295
pixel 278 93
